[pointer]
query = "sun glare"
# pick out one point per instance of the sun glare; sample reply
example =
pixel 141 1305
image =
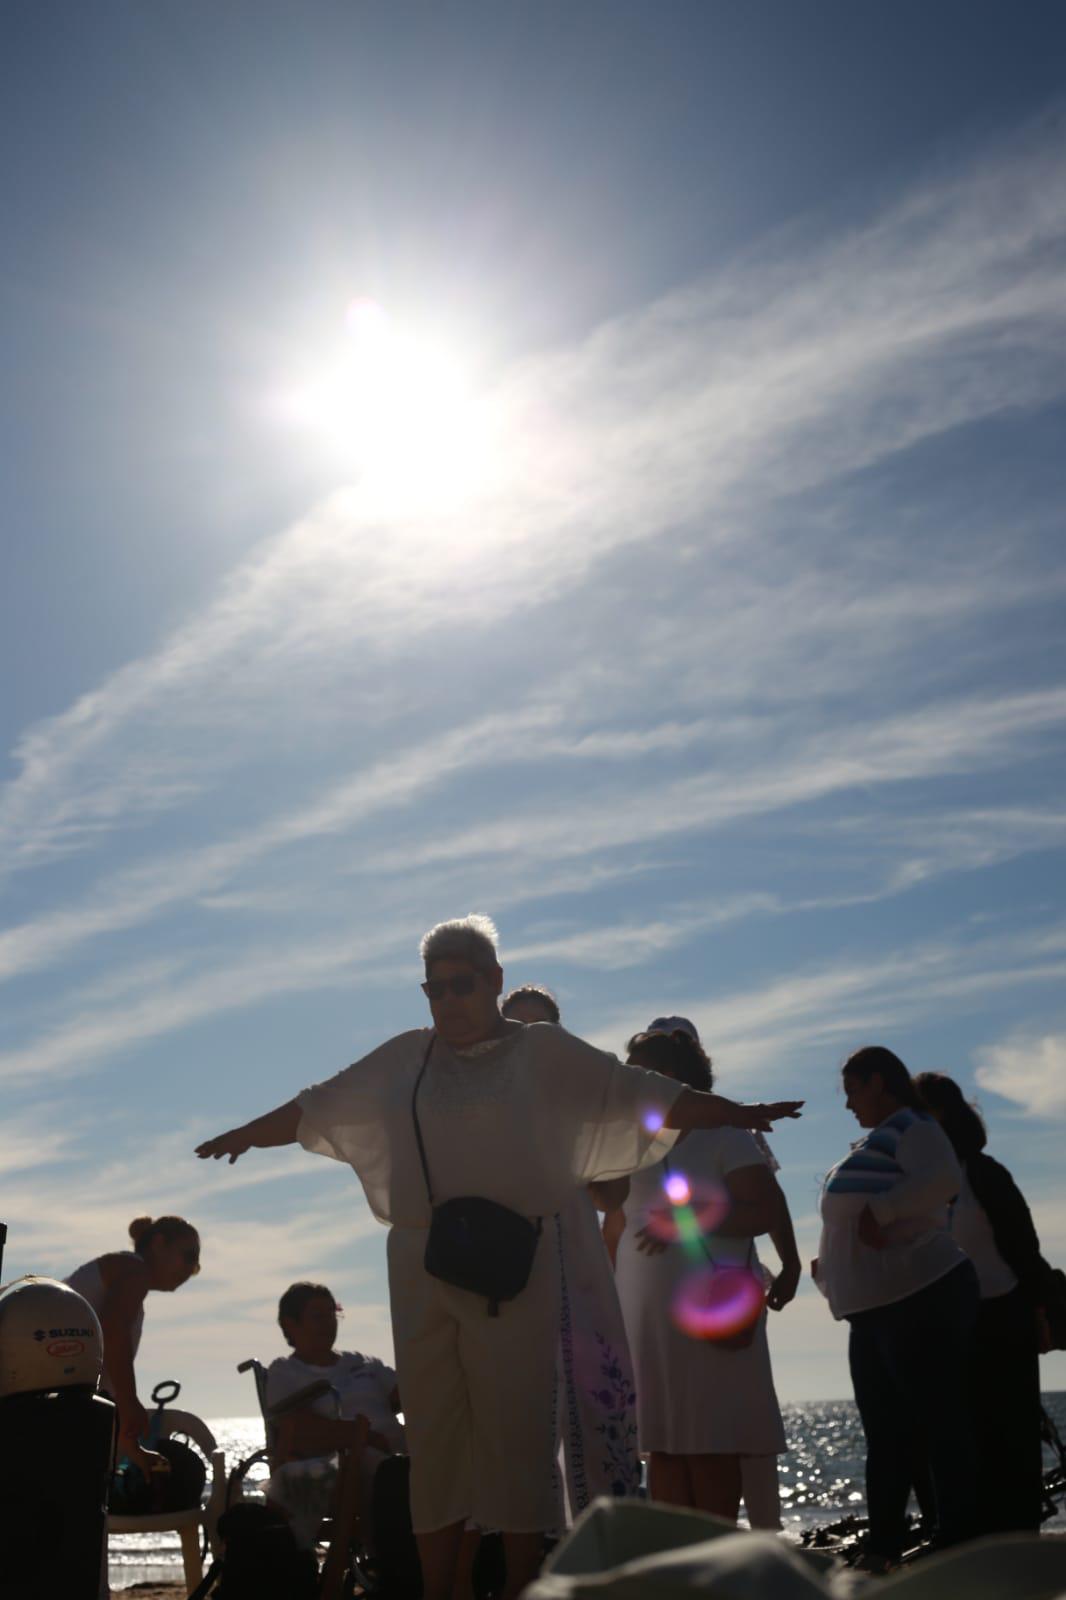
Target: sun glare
pixel 397 409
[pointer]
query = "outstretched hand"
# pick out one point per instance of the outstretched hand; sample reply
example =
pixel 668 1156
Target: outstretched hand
pixel 761 1118
pixel 231 1144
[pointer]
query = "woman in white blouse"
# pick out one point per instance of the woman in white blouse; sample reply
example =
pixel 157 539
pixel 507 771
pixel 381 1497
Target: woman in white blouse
pixel 516 1115
pixel 888 1265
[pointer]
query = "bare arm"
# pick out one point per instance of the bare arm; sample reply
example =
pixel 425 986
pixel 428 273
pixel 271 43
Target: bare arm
pixel 123 1300
pixel 609 1196
pixel 275 1128
pixel 692 1109
pixel 303 1434
pixel 614 1225
pixel 752 1202
pixel 783 1238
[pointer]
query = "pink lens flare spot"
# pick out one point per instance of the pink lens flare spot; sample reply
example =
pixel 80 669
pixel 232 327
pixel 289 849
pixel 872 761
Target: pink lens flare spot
pixel 677 1189
pixel 709 1203
pixel 653 1121
pixel 717 1303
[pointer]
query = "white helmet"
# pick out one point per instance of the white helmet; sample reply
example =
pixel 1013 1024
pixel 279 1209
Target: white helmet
pixel 50 1337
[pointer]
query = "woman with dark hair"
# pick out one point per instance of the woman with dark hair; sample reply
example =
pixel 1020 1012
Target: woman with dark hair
pixel 992 1223
pixel 165 1254
pixel 704 1405
pixel 888 1265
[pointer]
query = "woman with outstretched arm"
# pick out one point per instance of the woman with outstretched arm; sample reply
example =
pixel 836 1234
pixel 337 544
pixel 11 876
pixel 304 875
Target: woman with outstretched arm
pixel 515 1116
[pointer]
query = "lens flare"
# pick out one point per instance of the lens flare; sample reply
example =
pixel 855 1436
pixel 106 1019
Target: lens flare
pixel 717 1303
pixel 653 1121
pixel 693 1210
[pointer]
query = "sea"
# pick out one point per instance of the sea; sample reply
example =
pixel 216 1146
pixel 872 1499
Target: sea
pixel 821 1479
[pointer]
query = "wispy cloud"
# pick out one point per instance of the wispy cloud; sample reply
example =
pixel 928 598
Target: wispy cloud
pixel 1029 1070
pixel 762 381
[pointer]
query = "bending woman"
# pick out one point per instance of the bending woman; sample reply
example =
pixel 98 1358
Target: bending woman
pixel 514 1115
pixel 992 1223
pixel 165 1254
pixel 888 1265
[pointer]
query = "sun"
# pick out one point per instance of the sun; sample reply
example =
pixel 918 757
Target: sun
pixel 396 409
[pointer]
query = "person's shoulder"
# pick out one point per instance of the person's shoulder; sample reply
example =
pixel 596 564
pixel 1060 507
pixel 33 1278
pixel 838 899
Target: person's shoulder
pixel 122 1266
pixel 987 1174
pixel 411 1042
pixel 282 1364
pixel 736 1145
pixel 284 1373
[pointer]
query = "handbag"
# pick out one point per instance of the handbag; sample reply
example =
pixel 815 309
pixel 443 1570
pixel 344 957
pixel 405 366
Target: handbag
pixel 475 1244
pixel 744 1337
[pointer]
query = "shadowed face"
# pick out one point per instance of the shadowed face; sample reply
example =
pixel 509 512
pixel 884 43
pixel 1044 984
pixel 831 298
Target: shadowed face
pixel 866 1099
pixel 464 1002
pixel 314 1332
pixel 175 1263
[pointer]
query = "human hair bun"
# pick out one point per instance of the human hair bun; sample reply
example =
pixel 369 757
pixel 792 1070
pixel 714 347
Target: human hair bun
pixel 139 1227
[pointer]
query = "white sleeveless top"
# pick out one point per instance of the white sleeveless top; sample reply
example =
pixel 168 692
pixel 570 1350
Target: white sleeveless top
pixel 88 1281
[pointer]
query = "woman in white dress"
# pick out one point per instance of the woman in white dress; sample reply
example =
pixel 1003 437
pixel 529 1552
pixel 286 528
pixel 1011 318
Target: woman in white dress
pixel 703 1404
pixel 516 1116
pixel 597 1392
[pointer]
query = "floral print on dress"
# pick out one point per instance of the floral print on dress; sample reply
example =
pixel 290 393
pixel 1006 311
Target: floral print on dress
pixel 617 1401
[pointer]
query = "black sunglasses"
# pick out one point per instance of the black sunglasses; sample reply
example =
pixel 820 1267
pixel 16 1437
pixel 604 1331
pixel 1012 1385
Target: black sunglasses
pixel 437 988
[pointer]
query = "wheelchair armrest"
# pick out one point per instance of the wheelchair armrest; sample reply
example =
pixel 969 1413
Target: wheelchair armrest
pixel 303 1397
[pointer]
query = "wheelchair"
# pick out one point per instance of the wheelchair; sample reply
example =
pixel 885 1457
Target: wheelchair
pixel 384 1565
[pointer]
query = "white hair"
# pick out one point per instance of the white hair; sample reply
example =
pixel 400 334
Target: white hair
pixel 472 938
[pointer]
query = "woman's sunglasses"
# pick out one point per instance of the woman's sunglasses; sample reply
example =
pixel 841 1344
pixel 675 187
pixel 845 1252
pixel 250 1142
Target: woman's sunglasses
pixel 437 988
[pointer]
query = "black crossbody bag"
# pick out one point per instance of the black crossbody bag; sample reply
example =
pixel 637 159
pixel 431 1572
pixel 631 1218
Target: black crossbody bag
pixel 473 1243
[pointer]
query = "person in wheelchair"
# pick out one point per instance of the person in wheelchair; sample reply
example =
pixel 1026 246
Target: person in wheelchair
pixel 351 1404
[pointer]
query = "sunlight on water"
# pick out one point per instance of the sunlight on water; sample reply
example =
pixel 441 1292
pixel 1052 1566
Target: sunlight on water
pixel 821 1479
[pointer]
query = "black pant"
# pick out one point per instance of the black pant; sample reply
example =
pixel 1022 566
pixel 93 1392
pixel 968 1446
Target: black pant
pixel 1007 1403
pixel 910 1368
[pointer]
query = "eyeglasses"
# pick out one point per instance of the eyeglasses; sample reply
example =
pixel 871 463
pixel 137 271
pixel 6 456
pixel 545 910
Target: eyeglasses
pixel 437 988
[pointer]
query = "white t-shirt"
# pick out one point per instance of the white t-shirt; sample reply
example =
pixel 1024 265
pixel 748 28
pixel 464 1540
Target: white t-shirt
pixel 363 1385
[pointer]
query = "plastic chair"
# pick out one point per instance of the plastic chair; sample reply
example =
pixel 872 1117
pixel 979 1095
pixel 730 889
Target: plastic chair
pixel 190 1525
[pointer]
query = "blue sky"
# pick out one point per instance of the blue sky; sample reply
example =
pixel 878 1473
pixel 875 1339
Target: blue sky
pixel 670 567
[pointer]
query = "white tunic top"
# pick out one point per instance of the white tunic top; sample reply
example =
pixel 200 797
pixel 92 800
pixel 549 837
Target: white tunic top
pixel 519 1123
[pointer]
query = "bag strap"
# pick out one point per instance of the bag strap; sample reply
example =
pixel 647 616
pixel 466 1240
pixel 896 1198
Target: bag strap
pixel 703 1242
pixel 414 1115
pixel 204 1588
